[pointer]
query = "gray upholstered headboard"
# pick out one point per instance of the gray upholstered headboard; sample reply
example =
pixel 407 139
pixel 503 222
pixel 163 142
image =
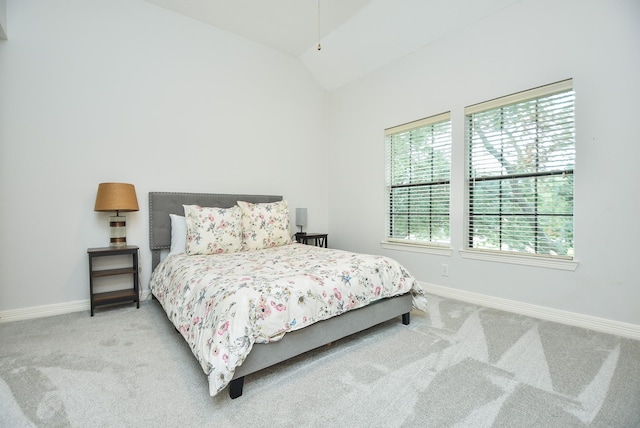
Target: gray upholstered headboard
pixel 161 204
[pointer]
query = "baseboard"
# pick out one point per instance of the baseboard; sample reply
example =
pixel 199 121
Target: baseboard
pixel 55 309
pixel 44 311
pixel 603 325
pixel 631 331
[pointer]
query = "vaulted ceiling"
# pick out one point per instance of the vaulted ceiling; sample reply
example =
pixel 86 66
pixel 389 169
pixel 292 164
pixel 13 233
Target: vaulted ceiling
pixel 356 36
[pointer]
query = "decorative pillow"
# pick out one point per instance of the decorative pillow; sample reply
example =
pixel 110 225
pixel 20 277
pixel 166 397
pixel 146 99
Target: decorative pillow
pixel 213 230
pixel 264 225
pixel 178 234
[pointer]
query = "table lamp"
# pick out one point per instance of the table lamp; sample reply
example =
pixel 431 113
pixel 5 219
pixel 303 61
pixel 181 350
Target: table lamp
pixel 301 218
pixel 117 197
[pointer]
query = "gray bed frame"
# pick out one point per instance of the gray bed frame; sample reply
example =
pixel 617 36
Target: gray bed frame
pixel 161 204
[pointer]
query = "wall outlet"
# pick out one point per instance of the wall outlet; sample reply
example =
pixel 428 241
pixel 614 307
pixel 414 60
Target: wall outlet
pixel 444 269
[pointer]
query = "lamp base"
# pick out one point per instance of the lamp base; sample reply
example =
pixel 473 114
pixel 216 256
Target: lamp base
pixel 118 231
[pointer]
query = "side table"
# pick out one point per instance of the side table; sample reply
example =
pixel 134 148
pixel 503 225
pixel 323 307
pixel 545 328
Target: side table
pixel 118 296
pixel 317 239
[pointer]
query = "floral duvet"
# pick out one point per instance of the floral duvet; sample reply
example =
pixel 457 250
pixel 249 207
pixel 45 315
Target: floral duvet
pixel 222 304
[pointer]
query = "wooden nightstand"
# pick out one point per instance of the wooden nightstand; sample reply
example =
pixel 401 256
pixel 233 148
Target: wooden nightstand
pixel 118 296
pixel 317 239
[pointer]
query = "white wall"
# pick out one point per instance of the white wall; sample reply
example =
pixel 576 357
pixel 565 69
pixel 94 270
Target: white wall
pixel 3 19
pixel 531 43
pixel 122 90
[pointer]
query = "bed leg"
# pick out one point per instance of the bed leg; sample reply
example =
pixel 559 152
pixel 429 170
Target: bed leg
pixel 406 318
pixel 235 387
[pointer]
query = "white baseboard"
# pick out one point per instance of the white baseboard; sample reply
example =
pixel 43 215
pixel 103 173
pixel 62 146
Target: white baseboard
pixel 603 325
pixel 55 309
pixel 631 331
pixel 44 311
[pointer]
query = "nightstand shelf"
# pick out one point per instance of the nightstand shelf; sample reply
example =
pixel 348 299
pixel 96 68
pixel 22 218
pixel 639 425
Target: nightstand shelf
pixel 117 296
pixel 111 272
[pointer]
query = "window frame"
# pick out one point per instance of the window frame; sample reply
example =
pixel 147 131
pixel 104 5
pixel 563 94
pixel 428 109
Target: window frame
pixel 518 257
pixel 422 246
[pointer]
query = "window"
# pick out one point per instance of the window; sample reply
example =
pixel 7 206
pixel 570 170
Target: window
pixel 418 163
pixel 521 152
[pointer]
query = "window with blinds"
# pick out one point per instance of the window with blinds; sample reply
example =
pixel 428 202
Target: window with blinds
pixel 520 174
pixel 418 163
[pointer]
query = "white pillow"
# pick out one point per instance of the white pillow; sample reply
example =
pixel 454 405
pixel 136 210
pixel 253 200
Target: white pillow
pixel 178 234
pixel 264 225
pixel 213 230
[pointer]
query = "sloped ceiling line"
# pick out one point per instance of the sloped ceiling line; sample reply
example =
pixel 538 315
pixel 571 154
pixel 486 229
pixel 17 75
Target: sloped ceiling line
pixel 357 36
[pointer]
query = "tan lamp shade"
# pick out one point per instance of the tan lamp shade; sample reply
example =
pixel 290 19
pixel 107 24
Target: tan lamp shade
pixel 117 197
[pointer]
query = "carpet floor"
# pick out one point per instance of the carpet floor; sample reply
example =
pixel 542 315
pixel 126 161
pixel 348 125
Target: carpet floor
pixel 459 365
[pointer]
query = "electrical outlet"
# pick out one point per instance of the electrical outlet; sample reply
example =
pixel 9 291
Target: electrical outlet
pixel 444 269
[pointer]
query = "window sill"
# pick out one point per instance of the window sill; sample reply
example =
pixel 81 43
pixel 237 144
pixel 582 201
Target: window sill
pixel 519 259
pixel 417 248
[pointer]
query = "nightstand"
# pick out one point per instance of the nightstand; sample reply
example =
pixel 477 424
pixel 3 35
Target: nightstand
pixel 317 239
pixel 118 296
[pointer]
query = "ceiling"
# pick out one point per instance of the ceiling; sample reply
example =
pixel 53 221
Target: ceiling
pixel 356 36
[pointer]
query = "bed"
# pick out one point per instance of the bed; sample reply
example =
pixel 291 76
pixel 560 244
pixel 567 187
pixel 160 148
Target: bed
pixel 242 309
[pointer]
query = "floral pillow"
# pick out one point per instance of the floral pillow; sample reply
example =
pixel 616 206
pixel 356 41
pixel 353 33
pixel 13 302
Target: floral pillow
pixel 213 230
pixel 264 225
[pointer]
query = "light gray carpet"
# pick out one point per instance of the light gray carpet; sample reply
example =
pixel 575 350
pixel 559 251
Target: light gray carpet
pixel 460 365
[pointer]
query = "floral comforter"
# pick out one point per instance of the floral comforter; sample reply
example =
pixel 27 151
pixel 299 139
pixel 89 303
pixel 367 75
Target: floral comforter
pixel 222 304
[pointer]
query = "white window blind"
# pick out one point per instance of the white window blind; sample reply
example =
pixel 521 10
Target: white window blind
pixel 520 174
pixel 418 163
